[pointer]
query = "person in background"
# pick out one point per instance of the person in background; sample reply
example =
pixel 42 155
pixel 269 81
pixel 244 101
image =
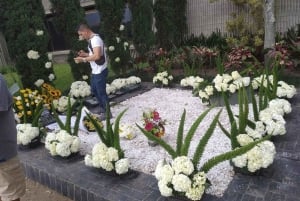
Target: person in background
pixel 127 19
pixel 12 178
pixel 96 56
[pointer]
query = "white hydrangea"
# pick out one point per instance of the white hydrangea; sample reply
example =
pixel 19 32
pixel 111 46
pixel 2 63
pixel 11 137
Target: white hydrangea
pixel 112 154
pixel 88 161
pixel 61 104
pixel 39 32
pixel 122 27
pixel 51 77
pixel 164 189
pixel 62 143
pixel 26 133
pixel 286 90
pixel 85 77
pixel 244 139
pixel 183 164
pixel 80 89
pixel 111 48
pixel 181 182
pixel 48 64
pixel 281 106
pixel 31 54
pixel 240 161
pixel 122 166
pixel 117 59
pixel 39 82
pixel 163 78
pixel 127 131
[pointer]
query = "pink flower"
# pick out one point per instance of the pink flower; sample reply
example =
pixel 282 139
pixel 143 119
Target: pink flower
pixel 149 126
pixel 156 116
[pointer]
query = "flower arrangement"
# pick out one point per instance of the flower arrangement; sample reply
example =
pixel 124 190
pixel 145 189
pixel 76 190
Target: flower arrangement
pixel 66 141
pixel 49 93
pixel 88 123
pixel 191 81
pixel 26 133
pixel 80 89
pixel 162 78
pixel 228 83
pixel 62 143
pixel 108 154
pixel 127 131
pixel 122 83
pixel 153 123
pixel 61 104
pixel 28 106
pixel 181 176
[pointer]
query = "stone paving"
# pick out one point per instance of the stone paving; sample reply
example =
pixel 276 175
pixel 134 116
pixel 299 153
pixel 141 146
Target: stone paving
pixel 280 182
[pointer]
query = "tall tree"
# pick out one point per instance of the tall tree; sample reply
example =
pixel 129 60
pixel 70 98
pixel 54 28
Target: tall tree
pixel 27 40
pixel 68 15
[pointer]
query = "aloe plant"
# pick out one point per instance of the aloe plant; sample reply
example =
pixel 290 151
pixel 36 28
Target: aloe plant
pixel 67 124
pixel 182 145
pixel 110 137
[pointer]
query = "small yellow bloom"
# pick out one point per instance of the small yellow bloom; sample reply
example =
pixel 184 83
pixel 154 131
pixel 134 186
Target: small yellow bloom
pixel 29 113
pixel 20 107
pixel 18 103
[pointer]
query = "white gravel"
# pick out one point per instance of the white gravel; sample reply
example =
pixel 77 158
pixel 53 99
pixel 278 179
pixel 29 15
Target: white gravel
pixel 170 103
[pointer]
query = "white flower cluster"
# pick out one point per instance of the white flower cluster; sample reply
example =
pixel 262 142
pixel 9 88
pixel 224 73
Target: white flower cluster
pixel 26 133
pixel 285 90
pixel 256 82
pixel 39 32
pixel 162 78
pixel 48 64
pixel 205 94
pixel 80 89
pixel 192 81
pixel 51 77
pixel 231 82
pixel 127 131
pixel 61 104
pixel 31 54
pixel 106 158
pixel 272 116
pixel 120 83
pixel 261 156
pixel 39 82
pixel 178 177
pixel 62 143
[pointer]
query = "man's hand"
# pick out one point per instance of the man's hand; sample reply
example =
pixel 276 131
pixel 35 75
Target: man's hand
pixel 82 53
pixel 79 59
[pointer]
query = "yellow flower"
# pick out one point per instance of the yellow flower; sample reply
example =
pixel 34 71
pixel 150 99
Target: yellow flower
pixel 20 107
pixel 29 113
pixel 22 91
pixel 18 103
pixel 20 114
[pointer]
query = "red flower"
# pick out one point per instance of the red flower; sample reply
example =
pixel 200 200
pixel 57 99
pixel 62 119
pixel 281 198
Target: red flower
pixel 149 126
pixel 156 116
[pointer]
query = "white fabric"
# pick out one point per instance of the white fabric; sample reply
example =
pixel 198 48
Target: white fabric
pixel 96 41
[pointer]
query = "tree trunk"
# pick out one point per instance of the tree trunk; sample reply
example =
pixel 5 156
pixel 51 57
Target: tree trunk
pixel 269 9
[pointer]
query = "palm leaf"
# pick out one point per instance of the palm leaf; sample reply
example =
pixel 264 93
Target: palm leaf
pixel 161 142
pixel 78 117
pixel 101 133
pixel 116 136
pixel 201 146
pixel 191 132
pixel 224 130
pixel 180 133
pixel 231 154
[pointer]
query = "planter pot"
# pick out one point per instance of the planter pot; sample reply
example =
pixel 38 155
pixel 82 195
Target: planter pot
pixel 36 142
pixel 131 174
pixel 233 99
pixel 71 158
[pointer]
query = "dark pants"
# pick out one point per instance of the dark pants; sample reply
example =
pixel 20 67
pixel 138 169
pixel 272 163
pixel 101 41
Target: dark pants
pixel 98 86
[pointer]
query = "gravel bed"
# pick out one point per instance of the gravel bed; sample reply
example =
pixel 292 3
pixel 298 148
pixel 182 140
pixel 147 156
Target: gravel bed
pixel 170 103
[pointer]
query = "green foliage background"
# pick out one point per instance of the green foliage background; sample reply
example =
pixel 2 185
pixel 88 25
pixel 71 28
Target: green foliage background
pixel 68 15
pixel 21 21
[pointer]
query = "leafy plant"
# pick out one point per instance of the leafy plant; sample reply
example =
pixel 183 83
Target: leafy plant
pixel 110 137
pixel 183 144
pixel 70 110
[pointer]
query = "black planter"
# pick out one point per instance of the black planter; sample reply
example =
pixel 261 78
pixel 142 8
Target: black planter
pixel 36 142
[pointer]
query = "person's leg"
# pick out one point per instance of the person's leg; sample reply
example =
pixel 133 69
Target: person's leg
pixel 12 180
pixel 100 88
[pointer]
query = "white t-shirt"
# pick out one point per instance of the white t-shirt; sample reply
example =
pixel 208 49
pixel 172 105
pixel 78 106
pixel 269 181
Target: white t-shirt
pixel 96 41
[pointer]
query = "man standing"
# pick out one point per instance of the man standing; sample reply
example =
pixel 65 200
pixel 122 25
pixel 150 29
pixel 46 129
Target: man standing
pixel 12 179
pixel 96 56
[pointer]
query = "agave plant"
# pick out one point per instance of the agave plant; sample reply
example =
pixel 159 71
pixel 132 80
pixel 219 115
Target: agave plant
pixel 183 144
pixel 110 137
pixel 67 124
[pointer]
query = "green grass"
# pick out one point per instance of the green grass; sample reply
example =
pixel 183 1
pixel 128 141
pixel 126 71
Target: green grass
pixel 64 77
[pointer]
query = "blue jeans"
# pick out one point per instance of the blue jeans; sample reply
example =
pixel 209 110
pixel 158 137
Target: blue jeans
pixel 98 87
